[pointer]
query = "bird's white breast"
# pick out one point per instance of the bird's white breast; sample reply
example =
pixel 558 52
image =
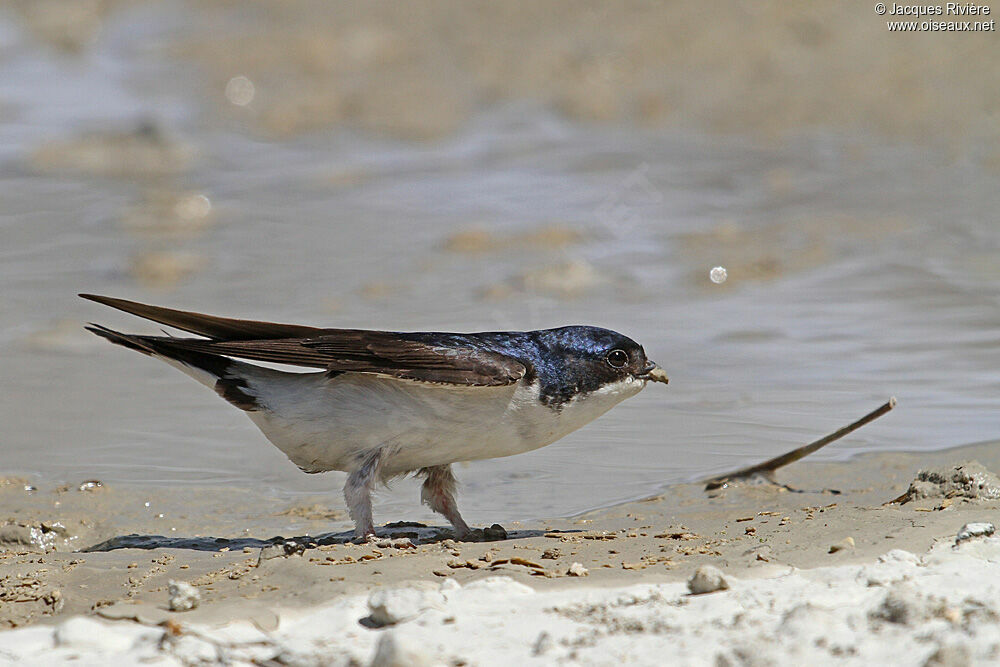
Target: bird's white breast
pixel 324 423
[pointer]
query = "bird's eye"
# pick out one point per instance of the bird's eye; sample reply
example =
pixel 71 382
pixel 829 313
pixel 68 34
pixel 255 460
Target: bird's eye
pixel 617 358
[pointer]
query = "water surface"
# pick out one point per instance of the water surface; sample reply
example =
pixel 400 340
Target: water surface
pixel 858 269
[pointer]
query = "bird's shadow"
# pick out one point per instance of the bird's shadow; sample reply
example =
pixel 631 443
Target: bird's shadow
pixel 417 533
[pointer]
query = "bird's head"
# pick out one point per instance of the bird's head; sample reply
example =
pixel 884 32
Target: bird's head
pixel 584 359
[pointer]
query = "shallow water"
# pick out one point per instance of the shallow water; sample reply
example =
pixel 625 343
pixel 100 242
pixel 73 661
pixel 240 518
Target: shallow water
pixel 857 269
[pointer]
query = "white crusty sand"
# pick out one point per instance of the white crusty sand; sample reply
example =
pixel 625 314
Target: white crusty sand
pixel 939 608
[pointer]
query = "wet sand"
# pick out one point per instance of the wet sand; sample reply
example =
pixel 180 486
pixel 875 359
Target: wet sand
pixel 100 552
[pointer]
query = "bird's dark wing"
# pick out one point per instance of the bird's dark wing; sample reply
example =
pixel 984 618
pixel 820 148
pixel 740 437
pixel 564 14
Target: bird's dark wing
pixel 416 357
pixel 425 357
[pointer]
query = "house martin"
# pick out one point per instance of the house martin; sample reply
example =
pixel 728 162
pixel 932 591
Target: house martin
pixel 386 403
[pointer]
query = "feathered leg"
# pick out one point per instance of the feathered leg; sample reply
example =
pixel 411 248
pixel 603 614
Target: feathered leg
pixel 358 494
pixel 438 492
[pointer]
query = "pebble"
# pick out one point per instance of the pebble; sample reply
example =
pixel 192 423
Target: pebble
pixel 391 542
pixel 56 600
pixel 971 530
pixel 183 596
pixel 707 579
pixel 281 550
pixel 843 545
pixel 396 605
pixel 494 533
pixel 577 570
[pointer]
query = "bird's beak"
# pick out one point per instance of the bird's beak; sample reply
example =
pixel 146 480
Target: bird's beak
pixel 655 374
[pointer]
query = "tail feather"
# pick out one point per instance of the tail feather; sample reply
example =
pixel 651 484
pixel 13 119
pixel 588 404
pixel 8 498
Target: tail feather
pixel 213 370
pixel 207 325
pixel 118 338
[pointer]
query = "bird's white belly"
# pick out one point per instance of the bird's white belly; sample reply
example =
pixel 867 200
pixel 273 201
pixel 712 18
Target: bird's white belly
pixel 333 424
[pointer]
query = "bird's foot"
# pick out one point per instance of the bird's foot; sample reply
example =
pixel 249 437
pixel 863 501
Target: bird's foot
pixel 364 535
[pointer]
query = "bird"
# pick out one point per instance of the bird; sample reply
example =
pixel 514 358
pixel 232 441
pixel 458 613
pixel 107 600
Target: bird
pixel 386 404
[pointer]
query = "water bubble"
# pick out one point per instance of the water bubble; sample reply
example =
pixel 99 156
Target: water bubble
pixel 240 91
pixel 193 207
pixel 718 275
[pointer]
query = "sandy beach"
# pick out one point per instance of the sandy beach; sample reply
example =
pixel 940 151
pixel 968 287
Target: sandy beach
pixel 850 563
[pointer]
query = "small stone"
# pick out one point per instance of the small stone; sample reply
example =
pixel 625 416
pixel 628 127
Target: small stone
pixel 845 544
pixel 494 533
pixel 707 579
pixel 391 542
pixel 396 605
pixel 971 530
pixel 55 600
pixel 577 570
pixel 183 596
pixel 281 550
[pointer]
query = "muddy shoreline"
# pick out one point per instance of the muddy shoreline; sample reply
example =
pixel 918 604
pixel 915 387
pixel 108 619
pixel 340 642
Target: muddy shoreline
pixel 91 549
